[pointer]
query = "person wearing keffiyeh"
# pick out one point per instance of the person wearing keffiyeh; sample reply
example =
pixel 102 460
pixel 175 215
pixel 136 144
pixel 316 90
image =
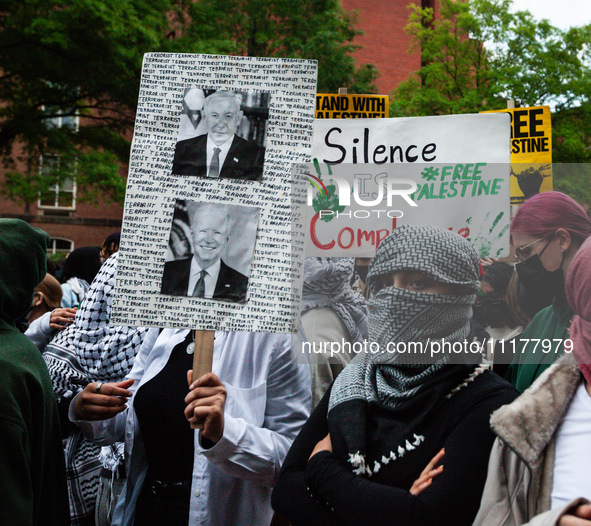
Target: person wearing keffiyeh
pixel 357 459
pixel 89 350
pixel 331 312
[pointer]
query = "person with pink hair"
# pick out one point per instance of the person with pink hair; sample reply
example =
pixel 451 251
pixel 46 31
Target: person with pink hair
pixel 546 233
pixel 538 472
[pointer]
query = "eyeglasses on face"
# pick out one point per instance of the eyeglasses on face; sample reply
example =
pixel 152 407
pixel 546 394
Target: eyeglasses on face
pixel 523 252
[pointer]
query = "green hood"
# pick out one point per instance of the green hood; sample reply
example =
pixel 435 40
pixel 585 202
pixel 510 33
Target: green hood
pixel 23 264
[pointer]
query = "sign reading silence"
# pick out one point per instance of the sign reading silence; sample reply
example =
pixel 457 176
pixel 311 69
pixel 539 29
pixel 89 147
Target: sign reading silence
pixel 369 176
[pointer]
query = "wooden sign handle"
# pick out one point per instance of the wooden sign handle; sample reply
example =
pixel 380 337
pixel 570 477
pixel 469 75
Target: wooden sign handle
pixel 203 355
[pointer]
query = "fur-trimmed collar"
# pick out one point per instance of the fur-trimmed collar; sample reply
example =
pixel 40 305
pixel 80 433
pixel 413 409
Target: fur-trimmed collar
pixel 528 424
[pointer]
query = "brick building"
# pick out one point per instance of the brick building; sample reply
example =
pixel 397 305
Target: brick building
pixel 385 42
pixel 69 227
pixel 72 224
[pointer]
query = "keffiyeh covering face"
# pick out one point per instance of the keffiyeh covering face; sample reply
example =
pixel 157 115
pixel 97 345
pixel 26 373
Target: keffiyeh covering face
pixel 327 283
pixel 398 315
pixel 393 380
pixel 91 349
pixel 403 315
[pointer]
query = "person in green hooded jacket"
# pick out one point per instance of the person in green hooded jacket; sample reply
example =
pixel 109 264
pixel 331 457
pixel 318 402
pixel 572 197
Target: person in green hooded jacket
pixel 32 467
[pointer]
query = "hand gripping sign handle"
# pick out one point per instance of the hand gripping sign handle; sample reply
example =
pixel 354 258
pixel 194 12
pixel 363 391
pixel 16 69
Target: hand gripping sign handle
pixel 203 356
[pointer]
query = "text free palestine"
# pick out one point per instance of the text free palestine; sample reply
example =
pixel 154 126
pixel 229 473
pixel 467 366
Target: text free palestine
pixel 463 176
pixel 428 191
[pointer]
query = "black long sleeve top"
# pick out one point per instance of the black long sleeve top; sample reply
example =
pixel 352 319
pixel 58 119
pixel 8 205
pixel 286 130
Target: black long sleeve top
pixel 324 491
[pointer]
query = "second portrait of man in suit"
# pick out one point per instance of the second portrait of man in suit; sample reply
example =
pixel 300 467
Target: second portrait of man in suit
pixel 205 273
pixel 220 152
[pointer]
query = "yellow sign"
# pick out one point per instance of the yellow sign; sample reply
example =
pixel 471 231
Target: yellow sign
pixel 531 152
pixel 329 106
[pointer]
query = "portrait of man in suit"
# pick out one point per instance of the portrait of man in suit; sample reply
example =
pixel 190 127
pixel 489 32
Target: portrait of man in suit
pixel 204 274
pixel 220 152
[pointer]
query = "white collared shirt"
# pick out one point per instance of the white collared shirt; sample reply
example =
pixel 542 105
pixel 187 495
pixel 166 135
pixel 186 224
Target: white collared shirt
pixel 225 148
pixel 268 402
pixel 211 278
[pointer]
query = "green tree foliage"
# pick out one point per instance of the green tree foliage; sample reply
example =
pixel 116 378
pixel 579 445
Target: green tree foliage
pixel 455 76
pixel 313 29
pixel 477 54
pixel 66 58
pixel 62 59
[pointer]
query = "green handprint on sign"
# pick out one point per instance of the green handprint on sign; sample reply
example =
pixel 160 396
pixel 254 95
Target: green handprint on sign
pixel 328 200
pixel 483 240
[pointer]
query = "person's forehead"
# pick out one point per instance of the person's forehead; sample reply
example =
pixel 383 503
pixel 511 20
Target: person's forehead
pixel 222 104
pixel 211 218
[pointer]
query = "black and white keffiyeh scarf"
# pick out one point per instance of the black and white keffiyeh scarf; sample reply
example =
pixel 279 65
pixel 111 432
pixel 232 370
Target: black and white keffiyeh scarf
pixel 327 283
pixel 89 350
pixel 406 388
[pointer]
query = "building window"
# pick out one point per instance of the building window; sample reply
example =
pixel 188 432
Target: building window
pixel 60 245
pixel 62 195
pixel 58 120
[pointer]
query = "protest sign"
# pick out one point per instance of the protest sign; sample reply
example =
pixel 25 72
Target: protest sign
pixel 531 151
pixel 369 176
pixel 331 106
pixel 211 239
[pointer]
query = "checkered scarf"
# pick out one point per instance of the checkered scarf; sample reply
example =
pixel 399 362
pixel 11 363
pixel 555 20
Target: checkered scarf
pixel 398 315
pixel 392 380
pixel 327 283
pixel 90 350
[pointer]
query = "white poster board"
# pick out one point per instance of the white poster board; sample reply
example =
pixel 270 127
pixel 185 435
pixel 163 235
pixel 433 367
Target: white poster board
pixel 450 171
pixel 210 180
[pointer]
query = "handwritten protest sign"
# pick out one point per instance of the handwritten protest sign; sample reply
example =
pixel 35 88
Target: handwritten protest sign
pixel 531 152
pixel 210 239
pixel 371 175
pixel 330 106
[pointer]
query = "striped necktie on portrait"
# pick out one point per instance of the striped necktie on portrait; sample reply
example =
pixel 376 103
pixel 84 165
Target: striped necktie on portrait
pixel 214 166
pixel 199 290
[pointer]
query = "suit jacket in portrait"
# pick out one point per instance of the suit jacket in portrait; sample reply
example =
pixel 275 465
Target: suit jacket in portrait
pixel 244 159
pixel 230 286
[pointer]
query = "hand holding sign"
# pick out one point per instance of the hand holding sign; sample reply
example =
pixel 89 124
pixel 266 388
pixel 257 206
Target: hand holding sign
pixel 205 405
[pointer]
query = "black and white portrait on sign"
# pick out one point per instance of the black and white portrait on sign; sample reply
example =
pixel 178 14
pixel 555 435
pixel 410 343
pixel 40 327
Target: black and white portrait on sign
pixel 222 134
pixel 210 251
